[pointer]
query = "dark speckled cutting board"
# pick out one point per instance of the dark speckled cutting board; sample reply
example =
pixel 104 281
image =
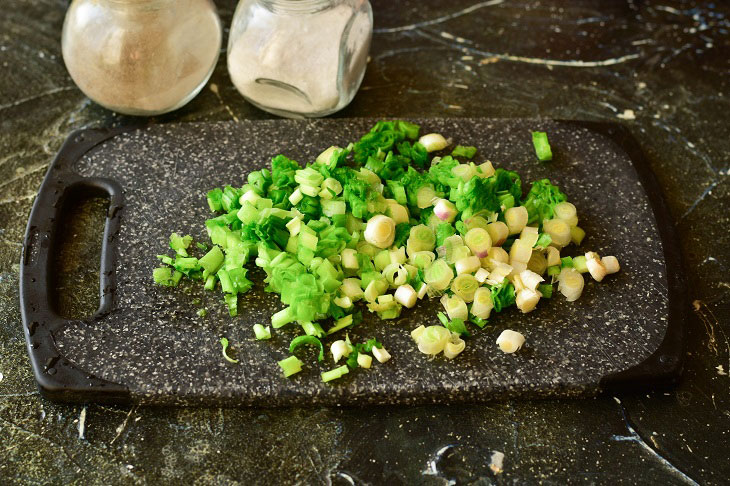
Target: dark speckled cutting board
pixel 146 343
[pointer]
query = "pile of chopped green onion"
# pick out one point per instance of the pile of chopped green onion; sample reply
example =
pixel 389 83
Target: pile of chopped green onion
pixel 385 222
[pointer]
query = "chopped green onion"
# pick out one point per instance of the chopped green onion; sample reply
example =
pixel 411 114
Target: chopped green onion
pixel 464 151
pixel 261 332
pixel 546 290
pixel 381 354
pixel 464 172
pixel 445 210
pixel 202 312
pixel 422 259
pixel 579 263
pixel 290 365
pixel 383 214
pixel 537 263
pixel 498 232
pixel 339 349
pixel 570 283
pixel 433 142
pixel 214 199
pixel 416 333
pixel 433 339
pixel 594 266
pixel 380 231
pixel 454 347
pixel 526 300
pixel 406 295
pixel 482 305
pixel 478 241
pixel 542 147
pixel 543 241
pixel 212 260
pixel 567 212
pixel 364 361
pixel 465 285
pixel 611 264
pixel 312 329
pixel 309 340
pixel 467 265
pixel 335 373
pixel 382 260
pixel 341 324
pixel 516 219
pixel 558 230
pixel 455 307
pixel 510 341
pixel 438 276
pixel 224 344
pixel 457 326
pixel 231 301
pixel 162 276
pixel 283 317
pixel 421 238
pixel 576 235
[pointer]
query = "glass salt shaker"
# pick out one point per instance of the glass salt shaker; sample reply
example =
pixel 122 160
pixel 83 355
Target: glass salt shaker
pixel 141 57
pixel 299 58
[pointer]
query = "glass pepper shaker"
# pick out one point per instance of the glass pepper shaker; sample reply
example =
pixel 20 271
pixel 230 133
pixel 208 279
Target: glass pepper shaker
pixel 299 58
pixel 141 57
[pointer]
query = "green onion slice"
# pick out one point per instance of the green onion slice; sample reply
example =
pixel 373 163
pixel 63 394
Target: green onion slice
pixel 542 147
pixel 310 340
pixel 224 344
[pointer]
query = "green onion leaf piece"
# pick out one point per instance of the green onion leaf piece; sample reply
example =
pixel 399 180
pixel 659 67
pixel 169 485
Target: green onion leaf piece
pixel 542 147
pixel 543 241
pixel 464 151
pixel 546 290
pixel 261 332
pixel 310 340
pixel 335 373
pixel 290 365
pixel 163 276
pixel 457 326
pixel 224 343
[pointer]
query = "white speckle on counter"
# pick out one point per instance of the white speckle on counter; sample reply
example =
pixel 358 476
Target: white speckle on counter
pixel 720 370
pixel 1 377
pixel 496 462
pixel 627 115
pixel 82 423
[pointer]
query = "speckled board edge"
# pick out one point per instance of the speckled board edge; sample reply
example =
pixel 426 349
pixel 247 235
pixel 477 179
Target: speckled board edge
pixel 65 383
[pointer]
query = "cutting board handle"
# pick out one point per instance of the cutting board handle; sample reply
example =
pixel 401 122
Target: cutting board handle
pixel 58 378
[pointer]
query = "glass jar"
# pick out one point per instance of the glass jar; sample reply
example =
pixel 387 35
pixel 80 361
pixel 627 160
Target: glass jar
pixel 141 57
pixel 299 58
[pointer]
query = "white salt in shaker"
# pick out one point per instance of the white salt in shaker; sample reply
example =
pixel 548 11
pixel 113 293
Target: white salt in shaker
pixel 141 57
pixel 299 58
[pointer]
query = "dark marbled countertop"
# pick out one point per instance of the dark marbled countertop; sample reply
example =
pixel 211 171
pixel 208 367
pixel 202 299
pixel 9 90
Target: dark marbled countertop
pixel 660 68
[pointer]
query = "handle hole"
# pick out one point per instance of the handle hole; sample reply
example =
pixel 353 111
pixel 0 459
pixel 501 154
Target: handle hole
pixel 75 261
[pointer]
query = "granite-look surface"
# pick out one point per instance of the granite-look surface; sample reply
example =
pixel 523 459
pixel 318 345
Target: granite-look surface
pixel 154 343
pixel 663 59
